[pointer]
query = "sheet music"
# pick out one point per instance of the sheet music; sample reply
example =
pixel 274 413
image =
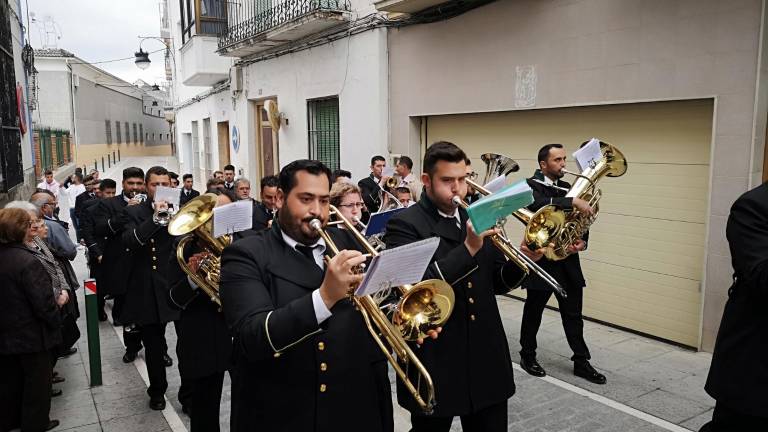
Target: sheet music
pixel 232 218
pixel 169 195
pixel 496 184
pixel 589 154
pixel 399 266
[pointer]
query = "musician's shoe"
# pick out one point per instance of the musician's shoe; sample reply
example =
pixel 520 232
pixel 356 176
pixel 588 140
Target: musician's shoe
pixel 585 370
pixel 157 403
pixel 51 424
pixel 531 366
pixel 129 357
pixel 167 360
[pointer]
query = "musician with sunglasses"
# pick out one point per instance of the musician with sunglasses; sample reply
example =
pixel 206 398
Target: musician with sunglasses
pixel 303 357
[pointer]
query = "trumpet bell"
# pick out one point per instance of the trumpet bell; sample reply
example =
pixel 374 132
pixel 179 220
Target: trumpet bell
pixel 423 307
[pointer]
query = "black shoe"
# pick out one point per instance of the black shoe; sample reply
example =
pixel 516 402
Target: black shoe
pixel 185 409
pixel 68 352
pixel 167 360
pixel 102 316
pixel 51 424
pixel 129 357
pixel 585 370
pixel 533 367
pixel 56 392
pixel 157 404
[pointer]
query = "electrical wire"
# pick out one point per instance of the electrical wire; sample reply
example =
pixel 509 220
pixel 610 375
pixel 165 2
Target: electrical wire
pixel 116 60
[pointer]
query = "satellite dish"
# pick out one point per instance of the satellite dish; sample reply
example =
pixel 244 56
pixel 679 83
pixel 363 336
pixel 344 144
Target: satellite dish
pixel 273 114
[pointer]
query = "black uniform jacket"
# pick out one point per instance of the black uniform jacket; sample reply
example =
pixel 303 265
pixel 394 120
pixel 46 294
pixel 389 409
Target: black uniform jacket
pixel 184 198
pixel 568 271
pixel 370 188
pixel 261 216
pixel 290 373
pixel 95 244
pixel 204 346
pixel 30 321
pixel 108 224
pixel 150 245
pixel 469 362
pixel 80 200
pixel 739 373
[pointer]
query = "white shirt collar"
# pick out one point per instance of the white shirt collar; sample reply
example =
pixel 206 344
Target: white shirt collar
pixel 318 252
pixel 549 181
pixel 454 215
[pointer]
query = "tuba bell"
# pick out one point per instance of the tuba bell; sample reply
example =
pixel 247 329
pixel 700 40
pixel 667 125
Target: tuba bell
pixel 197 217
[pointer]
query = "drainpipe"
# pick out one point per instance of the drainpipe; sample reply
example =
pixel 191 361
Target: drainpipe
pixel 74 112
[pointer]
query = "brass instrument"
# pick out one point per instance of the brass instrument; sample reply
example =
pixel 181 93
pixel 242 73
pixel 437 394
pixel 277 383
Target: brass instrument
pixel 423 307
pixel 499 165
pixel 197 217
pixel 574 223
pixel 392 182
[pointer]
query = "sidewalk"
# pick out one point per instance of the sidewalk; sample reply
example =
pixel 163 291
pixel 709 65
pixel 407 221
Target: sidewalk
pixel 652 386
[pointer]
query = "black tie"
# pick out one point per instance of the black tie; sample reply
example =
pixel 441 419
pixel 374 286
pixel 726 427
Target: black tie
pixel 307 251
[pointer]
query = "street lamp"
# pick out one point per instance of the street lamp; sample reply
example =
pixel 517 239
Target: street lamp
pixel 142 58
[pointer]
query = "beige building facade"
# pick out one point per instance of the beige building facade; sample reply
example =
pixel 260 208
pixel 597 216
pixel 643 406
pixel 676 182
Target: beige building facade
pixel 678 86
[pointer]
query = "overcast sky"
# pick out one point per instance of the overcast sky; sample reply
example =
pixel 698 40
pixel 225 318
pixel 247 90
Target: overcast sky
pixel 98 30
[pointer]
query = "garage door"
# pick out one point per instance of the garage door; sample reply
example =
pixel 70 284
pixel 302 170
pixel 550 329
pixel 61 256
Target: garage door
pixel 646 254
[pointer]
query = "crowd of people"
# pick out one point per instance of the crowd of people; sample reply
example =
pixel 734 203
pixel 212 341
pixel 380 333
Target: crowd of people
pixel 284 326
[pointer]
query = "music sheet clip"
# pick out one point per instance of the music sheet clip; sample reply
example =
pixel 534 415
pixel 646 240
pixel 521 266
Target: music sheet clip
pixel 232 218
pixel 589 155
pixel 398 266
pixel 169 195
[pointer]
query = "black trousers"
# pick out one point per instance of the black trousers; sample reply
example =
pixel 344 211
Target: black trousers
pixel 570 313
pixel 153 337
pixel 25 391
pixel 204 401
pixel 726 419
pixel 489 419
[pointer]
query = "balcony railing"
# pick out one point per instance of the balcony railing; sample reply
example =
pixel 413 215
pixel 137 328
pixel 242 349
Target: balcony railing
pixel 249 19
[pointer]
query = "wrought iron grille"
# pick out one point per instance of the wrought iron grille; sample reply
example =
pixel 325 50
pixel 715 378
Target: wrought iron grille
pixel 249 18
pixel 323 120
pixel 11 168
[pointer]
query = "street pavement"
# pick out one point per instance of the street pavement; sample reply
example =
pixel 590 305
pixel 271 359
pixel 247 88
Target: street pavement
pixel 652 385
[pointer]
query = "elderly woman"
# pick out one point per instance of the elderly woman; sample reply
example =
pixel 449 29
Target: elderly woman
pixel 348 199
pixel 29 326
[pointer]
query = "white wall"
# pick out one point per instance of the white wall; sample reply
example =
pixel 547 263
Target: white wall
pixel 354 69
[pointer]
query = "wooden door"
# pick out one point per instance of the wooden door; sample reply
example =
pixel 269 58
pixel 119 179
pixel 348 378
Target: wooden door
pixel 223 131
pixel 268 144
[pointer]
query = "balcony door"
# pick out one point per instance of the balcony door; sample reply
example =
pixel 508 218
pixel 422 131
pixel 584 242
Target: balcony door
pixel 267 143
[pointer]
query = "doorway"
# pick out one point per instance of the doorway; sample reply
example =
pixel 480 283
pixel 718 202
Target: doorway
pixel 223 131
pixel 267 143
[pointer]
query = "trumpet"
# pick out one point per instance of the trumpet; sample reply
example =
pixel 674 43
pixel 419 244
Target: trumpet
pixel 423 307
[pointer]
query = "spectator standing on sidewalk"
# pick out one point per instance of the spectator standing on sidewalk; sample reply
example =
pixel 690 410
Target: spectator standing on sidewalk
pixel 29 326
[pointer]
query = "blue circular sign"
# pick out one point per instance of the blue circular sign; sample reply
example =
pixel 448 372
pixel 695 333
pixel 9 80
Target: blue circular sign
pixel 235 139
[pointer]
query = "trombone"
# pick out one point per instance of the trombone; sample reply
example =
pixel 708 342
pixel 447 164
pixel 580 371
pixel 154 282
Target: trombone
pixel 423 306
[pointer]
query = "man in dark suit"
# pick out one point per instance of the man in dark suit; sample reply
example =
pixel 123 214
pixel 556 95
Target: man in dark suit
pixel 95 244
pixel 470 362
pixel 187 193
pixel 303 355
pixel 204 347
pixel 108 226
pixel 146 299
pixel 264 210
pixel 91 185
pixel 738 375
pixel 548 189
pixel 229 177
pixel 371 185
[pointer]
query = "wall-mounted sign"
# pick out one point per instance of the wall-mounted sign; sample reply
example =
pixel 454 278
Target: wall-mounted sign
pixel 235 139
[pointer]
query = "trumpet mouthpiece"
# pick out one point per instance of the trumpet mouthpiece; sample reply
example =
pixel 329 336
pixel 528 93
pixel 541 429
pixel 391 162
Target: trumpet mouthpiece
pixel 316 224
pixel 456 200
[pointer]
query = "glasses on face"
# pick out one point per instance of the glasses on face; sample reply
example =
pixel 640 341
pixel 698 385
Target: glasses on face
pixel 36 223
pixel 353 205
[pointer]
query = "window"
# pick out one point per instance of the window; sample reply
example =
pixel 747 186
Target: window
pixel 108 130
pixel 117 131
pixel 195 151
pixel 207 147
pixel 127 134
pixel 212 16
pixel 135 137
pixel 11 168
pixel 323 121
pixel 141 133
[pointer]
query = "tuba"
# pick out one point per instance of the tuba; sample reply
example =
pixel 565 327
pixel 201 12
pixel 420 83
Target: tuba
pixel 423 307
pixel 499 165
pixel 573 223
pixel 197 217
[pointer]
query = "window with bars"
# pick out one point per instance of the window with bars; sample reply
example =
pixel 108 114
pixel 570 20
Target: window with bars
pixel 127 133
pixel 11 168
pixel 135 135
pixel 108 130
pixel 323 121
pixel 118 135
pixel 141 133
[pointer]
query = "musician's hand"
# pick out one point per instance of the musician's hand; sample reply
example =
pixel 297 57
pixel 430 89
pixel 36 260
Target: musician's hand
pixel 194 261
pixel 474 241
pixel 432 335
pixel 160 206
pixel 582 206
pixel 133 202
pixel 339 277
pixel 63 298
pixel 269 223
pixel 533 255
pixel 99 258
pixel 578 246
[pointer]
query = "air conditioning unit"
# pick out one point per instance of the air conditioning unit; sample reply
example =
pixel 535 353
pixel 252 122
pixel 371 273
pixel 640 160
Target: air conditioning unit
pixel 236 79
